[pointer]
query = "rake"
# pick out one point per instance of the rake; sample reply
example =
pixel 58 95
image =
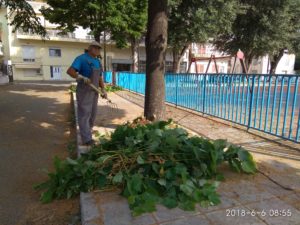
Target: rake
pixel 109 103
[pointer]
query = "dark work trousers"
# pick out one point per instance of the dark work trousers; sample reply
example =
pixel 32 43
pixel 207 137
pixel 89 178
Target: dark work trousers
pixel 87 100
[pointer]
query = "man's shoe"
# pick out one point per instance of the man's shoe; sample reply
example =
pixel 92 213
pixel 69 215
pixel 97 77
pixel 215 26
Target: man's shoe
pixel 90 143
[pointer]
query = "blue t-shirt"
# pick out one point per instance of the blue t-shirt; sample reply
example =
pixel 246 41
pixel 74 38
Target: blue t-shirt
pixel 85 63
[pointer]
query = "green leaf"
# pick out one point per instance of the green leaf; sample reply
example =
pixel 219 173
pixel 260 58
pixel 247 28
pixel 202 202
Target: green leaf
pixel 102 181
pixel 118 178
pixel 235 165
pixel 47 196
pixel 248 167
pixel 244 155
pixel 103 159
pixel 140 160
pixel 169 202
pixel 135 184
pixel 214 198
pixel 72 162
pixel 188 187
pixel 162 182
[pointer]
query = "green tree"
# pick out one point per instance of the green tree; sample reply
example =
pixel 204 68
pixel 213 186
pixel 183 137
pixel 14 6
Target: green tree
pixel 22 15
pixel 133 28
pixel 123 20
pixel 263 27
pixel 196 21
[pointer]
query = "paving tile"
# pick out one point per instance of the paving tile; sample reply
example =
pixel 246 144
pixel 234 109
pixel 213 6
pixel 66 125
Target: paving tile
pixel 293 200
pixel 164 214
pixel 233 216
pixel 115 211
pixel 271 206
pixel 247 192
pixel 273 188
pixel 145 219
pixel 89 209
pixel 194 220
pixel 226 202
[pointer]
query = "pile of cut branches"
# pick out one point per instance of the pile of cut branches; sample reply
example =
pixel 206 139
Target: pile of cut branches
pixel 150 163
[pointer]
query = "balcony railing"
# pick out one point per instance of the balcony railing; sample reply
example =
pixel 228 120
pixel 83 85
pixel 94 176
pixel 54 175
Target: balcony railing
pixel 27 63
pixel 55 35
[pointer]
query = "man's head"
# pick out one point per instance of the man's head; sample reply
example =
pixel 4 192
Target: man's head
pixel 94 49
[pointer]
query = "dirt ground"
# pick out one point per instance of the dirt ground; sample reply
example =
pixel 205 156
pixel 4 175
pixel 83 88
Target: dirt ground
pixel 35 126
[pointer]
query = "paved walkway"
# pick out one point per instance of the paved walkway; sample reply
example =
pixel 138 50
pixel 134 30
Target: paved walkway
pixel 34 127
pixel 275 189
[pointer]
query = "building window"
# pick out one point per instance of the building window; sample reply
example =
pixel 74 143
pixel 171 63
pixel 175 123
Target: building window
pixel 54 52
pixel 28 53
pixel 56 72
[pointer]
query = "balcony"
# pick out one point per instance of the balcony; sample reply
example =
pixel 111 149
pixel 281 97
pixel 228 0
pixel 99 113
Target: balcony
pixel 53 35
pixel 22 63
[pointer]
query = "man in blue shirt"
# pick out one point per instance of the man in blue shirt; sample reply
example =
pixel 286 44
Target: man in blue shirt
pixel 86 69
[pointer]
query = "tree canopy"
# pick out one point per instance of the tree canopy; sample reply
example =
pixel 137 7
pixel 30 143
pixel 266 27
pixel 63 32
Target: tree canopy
pixel 124 20
pixel 23 16
pixel 263 27
pixel 196 21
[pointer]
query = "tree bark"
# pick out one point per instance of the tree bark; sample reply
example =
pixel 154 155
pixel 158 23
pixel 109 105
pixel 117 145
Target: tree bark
pixel 249 64
pixel 135 55
pixel 176 61
pixel 156 45
pixel 275 60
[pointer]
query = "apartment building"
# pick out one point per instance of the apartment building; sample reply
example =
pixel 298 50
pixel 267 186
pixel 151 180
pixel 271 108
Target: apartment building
pixel 32 58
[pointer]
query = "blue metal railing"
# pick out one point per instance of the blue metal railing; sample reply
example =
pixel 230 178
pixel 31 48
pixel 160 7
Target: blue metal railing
pixel 107 76
pixel 268 103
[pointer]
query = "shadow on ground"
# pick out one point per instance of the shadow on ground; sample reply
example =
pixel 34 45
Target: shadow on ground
pixel 35 126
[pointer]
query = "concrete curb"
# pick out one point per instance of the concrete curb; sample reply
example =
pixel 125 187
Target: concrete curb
pixel 88 207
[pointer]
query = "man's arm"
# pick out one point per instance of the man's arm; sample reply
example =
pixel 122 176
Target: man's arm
pixel 101 83
pixel 72 72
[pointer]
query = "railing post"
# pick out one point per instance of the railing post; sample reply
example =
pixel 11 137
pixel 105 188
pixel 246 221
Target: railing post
pixel 129 78
pixel 204 94
pixel 251 102
pixel 176 97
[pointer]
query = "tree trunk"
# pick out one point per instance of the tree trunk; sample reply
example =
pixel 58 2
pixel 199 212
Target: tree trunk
pixel 275 60
pixel 135 55
pixel 249 64
pixel 190 58
pixel 156 45
pixel 177 58
pixel 176 61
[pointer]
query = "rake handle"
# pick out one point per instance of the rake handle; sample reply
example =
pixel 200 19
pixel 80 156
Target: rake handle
pixel 95 88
